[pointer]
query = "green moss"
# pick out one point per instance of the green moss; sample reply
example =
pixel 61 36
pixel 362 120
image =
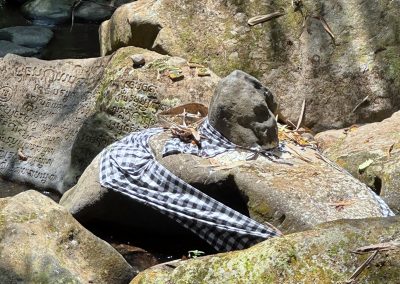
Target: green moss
pixel 24 218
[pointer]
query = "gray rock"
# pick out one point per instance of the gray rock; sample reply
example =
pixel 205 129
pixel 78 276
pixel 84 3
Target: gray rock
pixel 29 36
pixel 60 11
pixel 56 116
pixel 378 143
pixel 242 110
pixel 7 47
pixel 138 60
pixel 49 11
pixel 322 255
pixel 40 242
pixel 96 12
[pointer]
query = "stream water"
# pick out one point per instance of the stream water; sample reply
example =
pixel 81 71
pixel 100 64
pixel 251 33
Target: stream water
pixel 81 42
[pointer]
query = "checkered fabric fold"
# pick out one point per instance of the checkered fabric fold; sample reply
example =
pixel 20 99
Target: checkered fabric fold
pixel 129 167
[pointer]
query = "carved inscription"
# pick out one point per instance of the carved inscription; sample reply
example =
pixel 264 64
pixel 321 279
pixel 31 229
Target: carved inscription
pixel 134 104
pixel 43 105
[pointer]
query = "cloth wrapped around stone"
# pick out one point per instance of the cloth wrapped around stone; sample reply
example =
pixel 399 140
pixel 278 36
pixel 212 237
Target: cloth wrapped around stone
pixel 129 167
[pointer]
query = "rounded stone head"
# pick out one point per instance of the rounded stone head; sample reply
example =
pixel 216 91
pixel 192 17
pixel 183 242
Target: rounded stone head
pixel 242 110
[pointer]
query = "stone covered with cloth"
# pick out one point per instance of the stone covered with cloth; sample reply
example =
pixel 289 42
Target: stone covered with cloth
pixel 129 167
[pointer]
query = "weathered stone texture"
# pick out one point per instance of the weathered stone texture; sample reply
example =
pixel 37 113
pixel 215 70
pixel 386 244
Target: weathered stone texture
pixel 378 143
pixel 322 255
pixel 293 55
pixel 40 242
pixel 242 110
pixel 56 116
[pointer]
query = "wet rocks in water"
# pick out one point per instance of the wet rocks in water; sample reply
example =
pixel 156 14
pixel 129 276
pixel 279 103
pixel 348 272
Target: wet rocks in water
pixel 60 11
pixel 94 12
pixel 377 147
pixel 24 40
pixel 29 36
pixel 48 11
pixel 242 110
pixel 42 243
pixel 323 255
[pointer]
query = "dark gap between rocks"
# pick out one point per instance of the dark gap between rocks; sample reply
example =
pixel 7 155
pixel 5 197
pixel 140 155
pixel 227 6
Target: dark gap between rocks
pixel 377 187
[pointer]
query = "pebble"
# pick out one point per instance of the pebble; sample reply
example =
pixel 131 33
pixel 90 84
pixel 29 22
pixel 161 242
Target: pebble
pixel 138 60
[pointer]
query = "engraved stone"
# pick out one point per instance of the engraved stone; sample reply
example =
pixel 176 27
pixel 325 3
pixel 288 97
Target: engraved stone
pixel 56 116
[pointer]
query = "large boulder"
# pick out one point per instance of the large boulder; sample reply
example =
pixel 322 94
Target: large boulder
pixel 40 242
pixel 242 110
pixel 298 192
pixel 341 58
pixel 56 116
pixel 322 255
pixel 371 153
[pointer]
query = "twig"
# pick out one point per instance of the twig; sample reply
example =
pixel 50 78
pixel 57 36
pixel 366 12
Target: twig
pixel 358 105
pixel 378 247
pixel 329 162
pixel 303 107
pixel 291 123
pixel 390 150
pixel 298 154
pixel 264 18
pixel 362 267
pixel 326 27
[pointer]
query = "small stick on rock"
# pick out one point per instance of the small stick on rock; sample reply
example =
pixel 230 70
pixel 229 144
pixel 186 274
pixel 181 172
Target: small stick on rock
pixel 326 28
pixel 303 107
pixel 264 18
pixel 378 247
pixel 362 267
pixel 358 105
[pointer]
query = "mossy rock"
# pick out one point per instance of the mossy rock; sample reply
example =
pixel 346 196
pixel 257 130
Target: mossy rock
pixel 40 242
pixel 331 54
pixel 322 255
pixel 378 142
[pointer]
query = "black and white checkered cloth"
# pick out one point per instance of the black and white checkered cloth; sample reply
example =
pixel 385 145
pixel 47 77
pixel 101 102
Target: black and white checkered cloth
pixel 129 167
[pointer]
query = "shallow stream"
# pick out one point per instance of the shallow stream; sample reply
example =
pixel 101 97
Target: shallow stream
pixel 81 42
